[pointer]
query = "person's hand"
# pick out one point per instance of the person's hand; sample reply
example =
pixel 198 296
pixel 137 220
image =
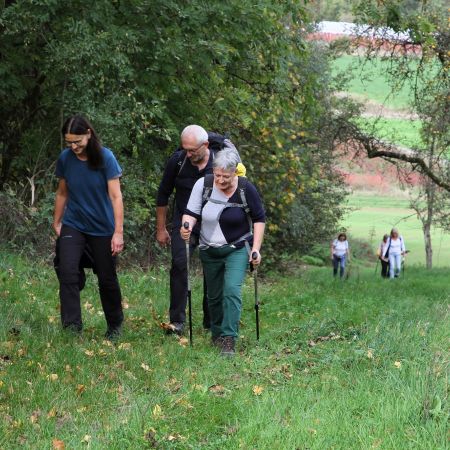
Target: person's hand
pixel 57 228
pixel 185 233
pixel 163 237
pixel 117 243
pixel 255 262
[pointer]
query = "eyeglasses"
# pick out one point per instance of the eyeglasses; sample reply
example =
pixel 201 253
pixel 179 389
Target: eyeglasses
pixel 193 150
pixel 76 143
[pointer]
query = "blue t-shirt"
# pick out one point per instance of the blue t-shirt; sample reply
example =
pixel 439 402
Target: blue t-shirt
pixel 89 208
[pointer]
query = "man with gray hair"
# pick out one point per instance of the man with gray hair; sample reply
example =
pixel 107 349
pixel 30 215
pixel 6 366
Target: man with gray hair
pixel 186 165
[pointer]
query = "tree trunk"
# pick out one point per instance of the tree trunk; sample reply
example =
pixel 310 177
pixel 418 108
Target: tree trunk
pixel 428 247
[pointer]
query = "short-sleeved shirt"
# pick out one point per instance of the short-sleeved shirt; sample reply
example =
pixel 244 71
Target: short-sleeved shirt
pixel 219 225
pixel 340 247
pixel 88 208
pixel 395 246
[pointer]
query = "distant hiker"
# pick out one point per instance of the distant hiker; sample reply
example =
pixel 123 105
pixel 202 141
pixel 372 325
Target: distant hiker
pixel 395 251
pixel 380 252
pixel 186 165
pixel 229 207
pixel 340 254
pixel 88 215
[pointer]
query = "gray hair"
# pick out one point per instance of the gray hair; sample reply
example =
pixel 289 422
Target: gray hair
pixel 227 159
pixel 197 131
pixel 394 230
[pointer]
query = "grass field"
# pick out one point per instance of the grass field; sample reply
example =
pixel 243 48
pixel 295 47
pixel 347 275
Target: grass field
pixel 356 364
pixel 403 132
pixel 373 215
pixel 370 82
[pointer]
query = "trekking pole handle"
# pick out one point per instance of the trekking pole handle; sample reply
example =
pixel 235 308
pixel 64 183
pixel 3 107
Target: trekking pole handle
pixel 186 225
pixel 254 255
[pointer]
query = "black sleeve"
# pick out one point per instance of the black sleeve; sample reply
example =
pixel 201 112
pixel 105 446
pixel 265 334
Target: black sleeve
pixel 257 212
pixel 167 184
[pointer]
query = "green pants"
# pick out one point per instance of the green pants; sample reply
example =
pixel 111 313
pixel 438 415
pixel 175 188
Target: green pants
pixel 224 270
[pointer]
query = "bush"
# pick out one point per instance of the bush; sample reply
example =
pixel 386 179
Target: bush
pixel 312 260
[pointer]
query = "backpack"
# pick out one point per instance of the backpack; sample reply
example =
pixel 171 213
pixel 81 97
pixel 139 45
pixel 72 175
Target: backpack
pixel 216 143
pixel 242 187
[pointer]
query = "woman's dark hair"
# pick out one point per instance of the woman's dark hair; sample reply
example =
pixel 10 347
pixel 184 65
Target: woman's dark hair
pixel 385 237
pixel 342 234
pixel 79 125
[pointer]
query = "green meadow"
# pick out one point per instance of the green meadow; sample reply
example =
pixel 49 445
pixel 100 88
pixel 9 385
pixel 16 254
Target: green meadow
pixel 373 215
pixel 369 83
pixel 353 364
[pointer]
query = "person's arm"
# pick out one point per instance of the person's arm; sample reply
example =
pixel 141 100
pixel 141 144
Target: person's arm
pixel 162 235
pixel 61 197
pixel 258 235
pixel 332 249
pixel 165 190
pixel 347 250
pixel 186 232
pixel 115 195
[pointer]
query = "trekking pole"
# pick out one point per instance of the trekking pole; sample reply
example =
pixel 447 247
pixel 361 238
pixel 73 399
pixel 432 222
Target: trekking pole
pixel 255 279
pixel 376 266
pixel 189 295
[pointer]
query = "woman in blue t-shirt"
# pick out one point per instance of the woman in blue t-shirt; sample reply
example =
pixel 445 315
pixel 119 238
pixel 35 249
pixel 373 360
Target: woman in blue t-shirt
pixel 88 215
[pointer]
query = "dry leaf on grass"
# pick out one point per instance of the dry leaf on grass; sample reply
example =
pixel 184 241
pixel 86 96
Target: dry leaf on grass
pixel 146 367
pixel 157 411
pixel 257 390
pixel 80 389
pixel 217 389
pixel 398 364
pixel 58 444
pixel 370 354
pixel 183 341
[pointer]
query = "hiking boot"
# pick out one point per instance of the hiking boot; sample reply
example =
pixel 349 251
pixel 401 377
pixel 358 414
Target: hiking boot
pixel 175 328
pixel 217 341
pixel 113 333
pixel 227 346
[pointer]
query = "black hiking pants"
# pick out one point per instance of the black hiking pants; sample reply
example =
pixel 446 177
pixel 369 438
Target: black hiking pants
pixel 384 268
pixel 72 245
pixel 178 279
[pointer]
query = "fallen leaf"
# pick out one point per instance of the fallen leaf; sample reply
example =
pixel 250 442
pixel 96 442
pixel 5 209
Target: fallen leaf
pixel 80 389
pixel 86 439
pixel 124 346
pixel 217 389
pixel 183 341
pixel 35 416
pixel 312 431
pixel 398 364
pixel 53 377
pixel 58 445
pixel 370 354
pixel 167 326
pixel 89 353
pixel 157 411
pixel 146 367
pixel 51 413
pixel 257 390
pixel 150 436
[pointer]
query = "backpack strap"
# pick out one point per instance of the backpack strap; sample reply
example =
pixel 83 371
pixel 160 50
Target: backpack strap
pixel 242 186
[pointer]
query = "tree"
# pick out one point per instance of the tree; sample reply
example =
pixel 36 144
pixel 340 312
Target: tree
pixel 142 70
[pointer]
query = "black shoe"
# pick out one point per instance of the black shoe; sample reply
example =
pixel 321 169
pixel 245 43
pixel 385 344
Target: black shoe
pixel 228 346
pixel 217 341
pixel 175 328
pixel 113 333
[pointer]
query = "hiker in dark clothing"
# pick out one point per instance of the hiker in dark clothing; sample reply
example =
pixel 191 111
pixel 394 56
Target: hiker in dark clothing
pixel 188 164
pixel 88 220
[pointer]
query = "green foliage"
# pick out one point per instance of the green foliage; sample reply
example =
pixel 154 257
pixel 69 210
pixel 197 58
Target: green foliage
pixel 331 354
pixel 312 260
pixel 143 70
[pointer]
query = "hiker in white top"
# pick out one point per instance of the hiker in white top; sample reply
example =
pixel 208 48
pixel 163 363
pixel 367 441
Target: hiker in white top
pixel 340 254
pixel 394 252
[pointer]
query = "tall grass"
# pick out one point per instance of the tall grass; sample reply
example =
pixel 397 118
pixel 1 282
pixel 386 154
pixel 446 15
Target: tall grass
pixel 345 365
